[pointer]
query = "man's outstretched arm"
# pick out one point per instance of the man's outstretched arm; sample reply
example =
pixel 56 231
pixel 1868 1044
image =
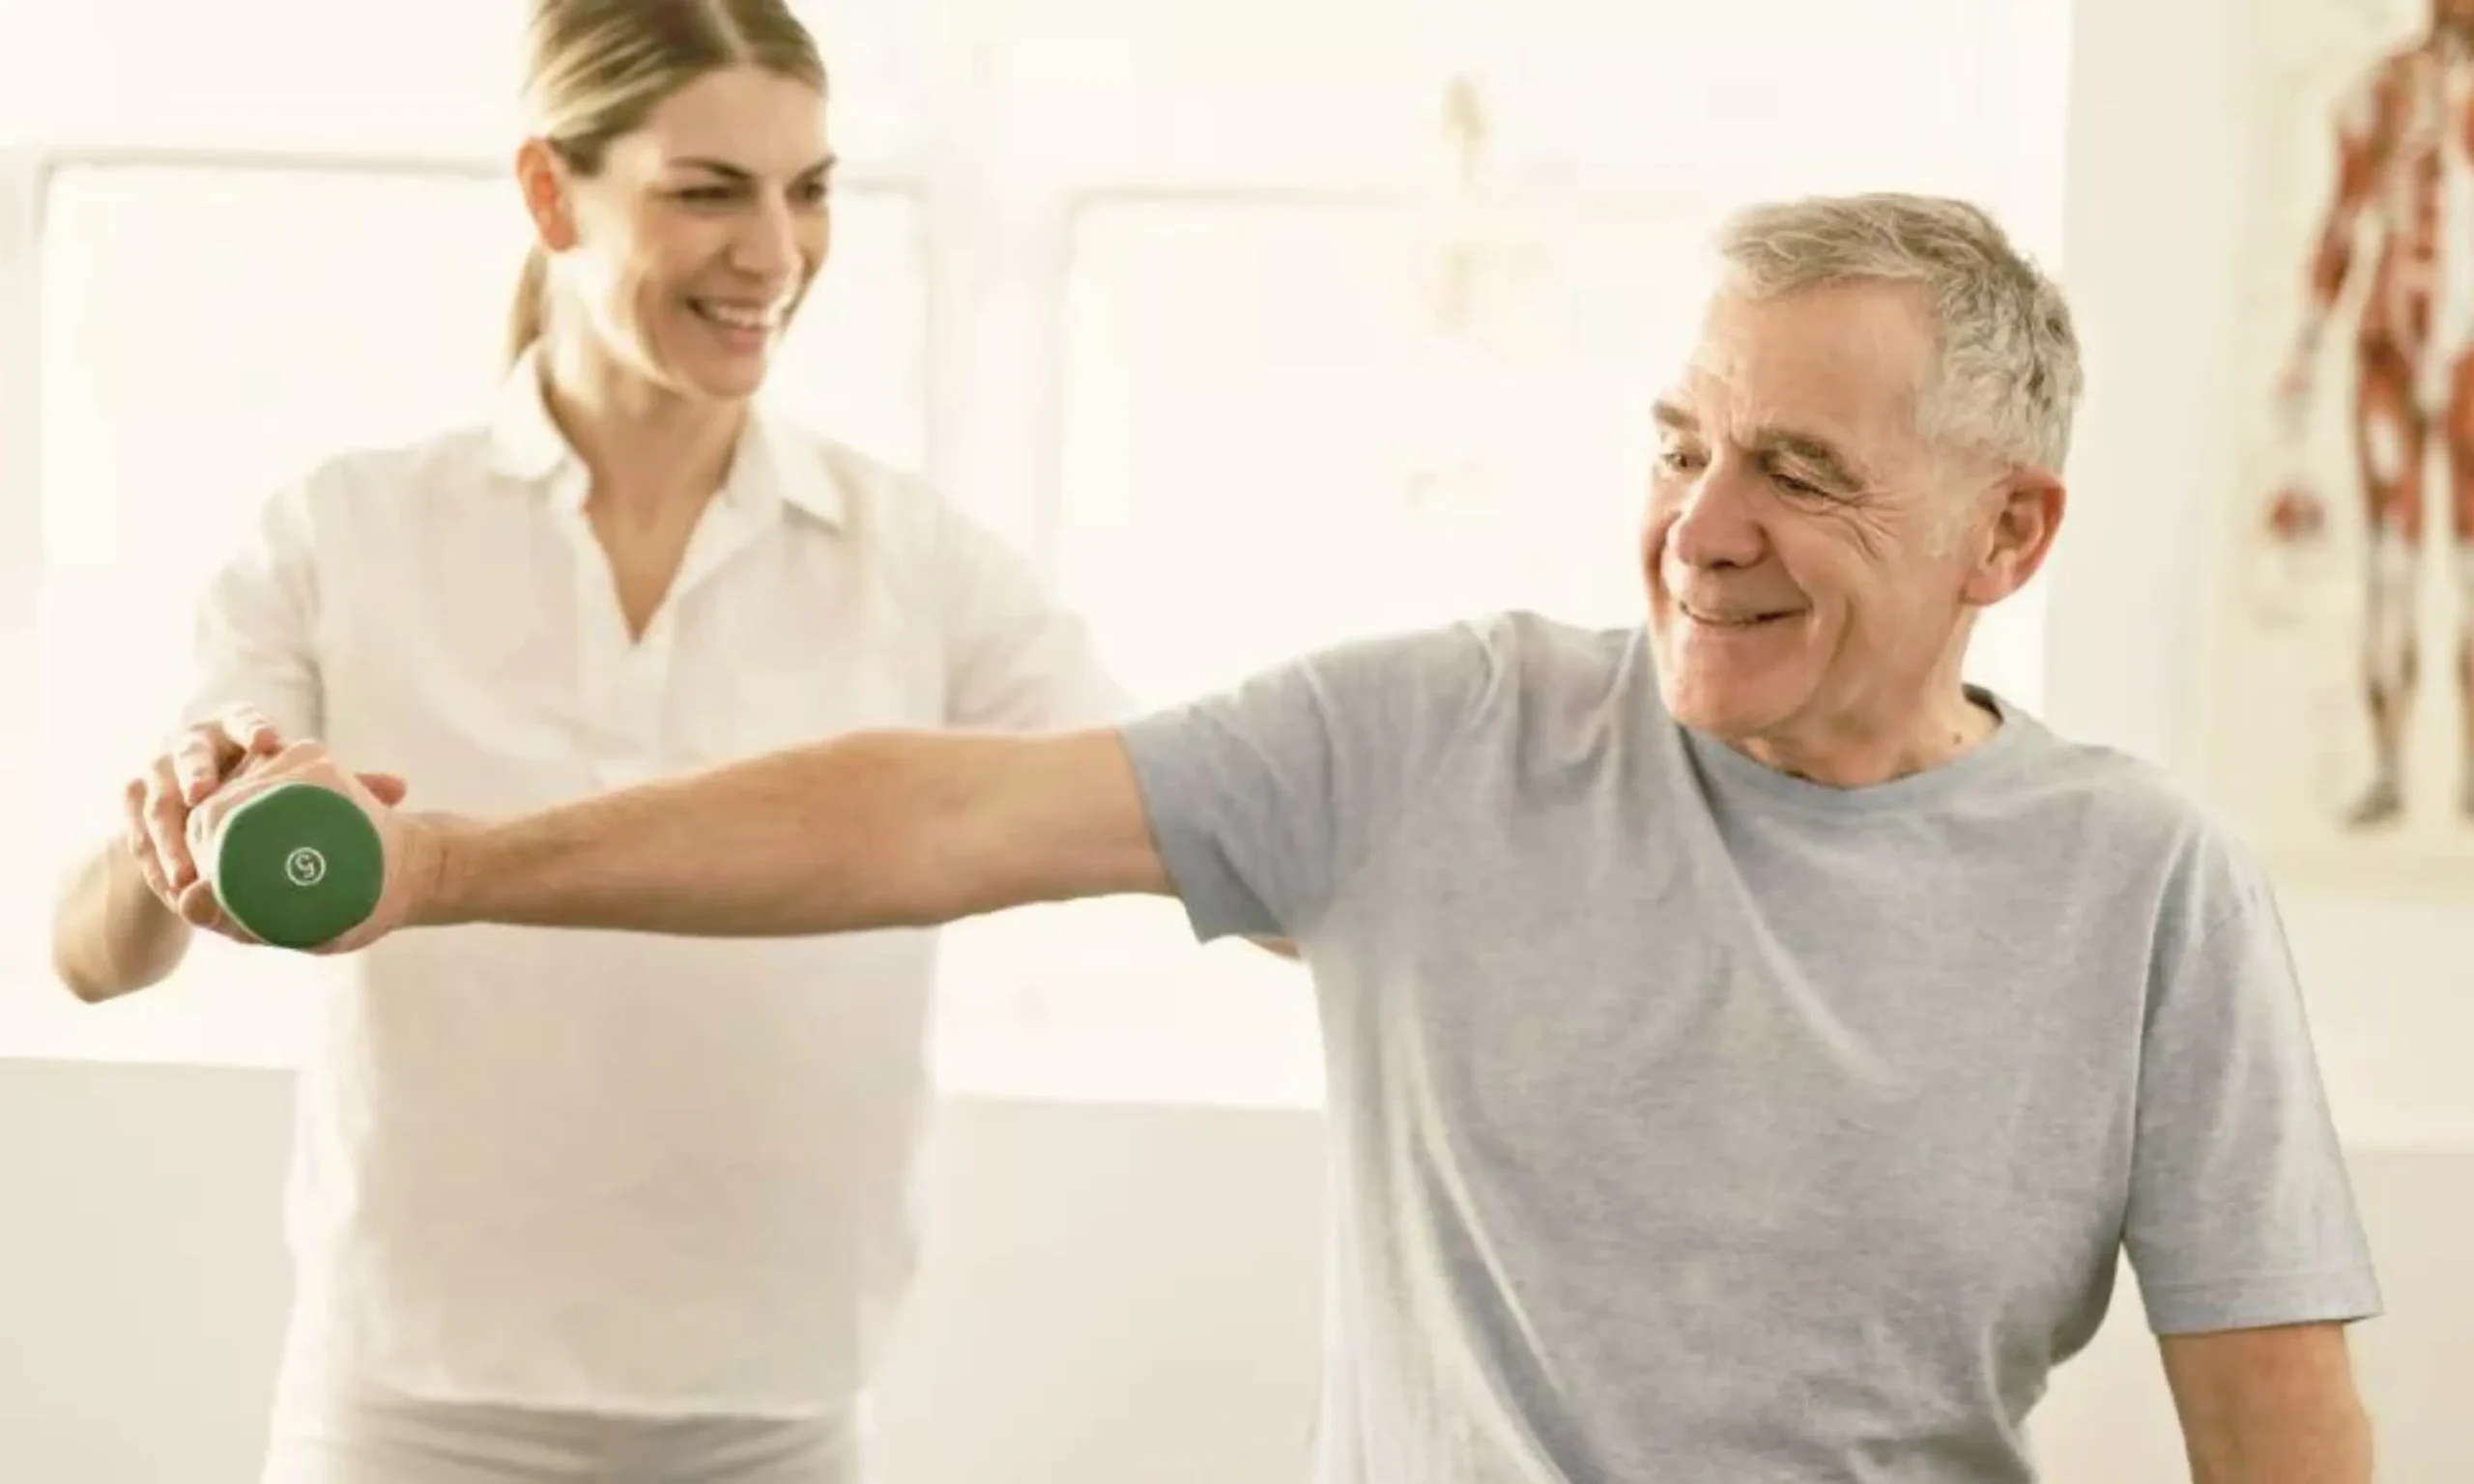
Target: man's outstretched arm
pixel 1267 797
pixel 875 830
pixel 872 830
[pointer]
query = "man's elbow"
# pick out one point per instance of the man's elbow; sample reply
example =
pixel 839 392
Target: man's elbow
pixel 2270 1406
pixel 2332 1448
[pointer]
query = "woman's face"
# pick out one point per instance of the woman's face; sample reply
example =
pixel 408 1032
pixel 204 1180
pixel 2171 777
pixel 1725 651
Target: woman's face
pixel 690 250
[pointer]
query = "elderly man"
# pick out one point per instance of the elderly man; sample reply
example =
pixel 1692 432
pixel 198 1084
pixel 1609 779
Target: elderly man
pixel 1751 1046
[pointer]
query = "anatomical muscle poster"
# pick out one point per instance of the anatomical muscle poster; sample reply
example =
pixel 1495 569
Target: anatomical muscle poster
pixel 2338 701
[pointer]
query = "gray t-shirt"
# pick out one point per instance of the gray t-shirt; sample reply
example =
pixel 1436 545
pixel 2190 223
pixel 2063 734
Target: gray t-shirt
pixel 1693 1122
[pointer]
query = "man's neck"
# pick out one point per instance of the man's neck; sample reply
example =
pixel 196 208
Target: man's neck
pixel 1854 759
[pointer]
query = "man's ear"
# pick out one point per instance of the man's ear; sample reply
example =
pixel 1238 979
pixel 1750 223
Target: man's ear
pixel 543 178
pixel 2026 515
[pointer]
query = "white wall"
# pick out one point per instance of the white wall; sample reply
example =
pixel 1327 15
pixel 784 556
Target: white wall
pixel 1118 1295
pixel 1129 1293
pixel 2154 214
pixel 1113 1296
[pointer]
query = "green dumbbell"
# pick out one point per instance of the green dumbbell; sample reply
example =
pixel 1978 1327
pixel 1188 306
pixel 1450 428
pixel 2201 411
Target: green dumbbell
pixel 297 866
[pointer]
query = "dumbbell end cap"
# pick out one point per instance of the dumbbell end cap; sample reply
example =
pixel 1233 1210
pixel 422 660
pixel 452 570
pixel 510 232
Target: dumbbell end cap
pixel 299 865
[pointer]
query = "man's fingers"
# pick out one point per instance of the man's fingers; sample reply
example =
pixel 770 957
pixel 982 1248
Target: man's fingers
pixel 388 788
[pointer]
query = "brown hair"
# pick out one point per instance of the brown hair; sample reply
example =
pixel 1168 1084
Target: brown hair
pixel 595 69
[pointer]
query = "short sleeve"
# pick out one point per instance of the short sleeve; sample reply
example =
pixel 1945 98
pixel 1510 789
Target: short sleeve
pixel 1016 660
pixel 2241 1211
pixel 1264 798
pixel 251 637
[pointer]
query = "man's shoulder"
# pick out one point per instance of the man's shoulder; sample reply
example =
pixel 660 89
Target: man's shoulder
pixel 1558 645
pixel 1443 681
pixel 1505 642
pixel 2153 826
pixel 1539 658
pixel 1511 666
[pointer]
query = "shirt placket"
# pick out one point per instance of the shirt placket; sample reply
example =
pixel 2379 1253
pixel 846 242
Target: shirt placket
pixel 625 684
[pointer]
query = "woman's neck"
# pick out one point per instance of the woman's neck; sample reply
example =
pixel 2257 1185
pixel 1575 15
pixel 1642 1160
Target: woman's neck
pixel 650 452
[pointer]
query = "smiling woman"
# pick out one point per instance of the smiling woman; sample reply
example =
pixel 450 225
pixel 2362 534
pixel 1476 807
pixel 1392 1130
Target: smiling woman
pixel 623 569
pixel 703 148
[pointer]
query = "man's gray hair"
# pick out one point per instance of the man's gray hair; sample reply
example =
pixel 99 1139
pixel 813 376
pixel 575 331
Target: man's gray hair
pixel 2008 379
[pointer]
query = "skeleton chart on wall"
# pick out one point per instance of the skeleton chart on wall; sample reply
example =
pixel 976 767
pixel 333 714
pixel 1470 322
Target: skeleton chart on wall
pixel 2340 695
pixel 1504 380
pixel 1458 373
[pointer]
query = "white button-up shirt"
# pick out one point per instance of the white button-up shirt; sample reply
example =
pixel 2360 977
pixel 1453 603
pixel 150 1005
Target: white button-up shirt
pixel 603 1171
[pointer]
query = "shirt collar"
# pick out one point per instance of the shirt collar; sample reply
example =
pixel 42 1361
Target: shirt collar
pixel 765 473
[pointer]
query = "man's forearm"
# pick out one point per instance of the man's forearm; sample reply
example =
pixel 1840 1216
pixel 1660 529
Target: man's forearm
pixel 109 934
pixel 854 834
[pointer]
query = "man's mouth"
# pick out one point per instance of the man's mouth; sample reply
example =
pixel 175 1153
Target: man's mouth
pixel 1733 618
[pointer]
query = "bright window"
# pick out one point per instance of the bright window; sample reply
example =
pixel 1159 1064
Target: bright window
pixel 1265 450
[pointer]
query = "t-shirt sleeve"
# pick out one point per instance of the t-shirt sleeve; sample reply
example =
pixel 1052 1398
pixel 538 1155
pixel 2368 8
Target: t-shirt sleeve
pixel 1265 798
pixel 250 636
pixel 2241 1211
pixel 1016 659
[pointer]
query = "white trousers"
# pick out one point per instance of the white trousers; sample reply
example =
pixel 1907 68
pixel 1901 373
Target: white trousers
pixel 361 1437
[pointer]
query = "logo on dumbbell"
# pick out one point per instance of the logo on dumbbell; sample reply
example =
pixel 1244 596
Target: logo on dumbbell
pixel 305 867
